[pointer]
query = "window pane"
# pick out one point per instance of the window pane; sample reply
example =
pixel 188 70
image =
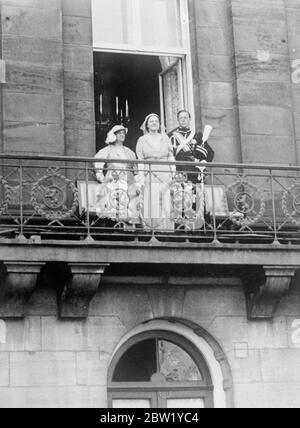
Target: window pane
pixel 131 404
pixel 176 364
pixel 138 364
pixel 111 21
pixel 185 403
pixel 139 23
pixel 160 23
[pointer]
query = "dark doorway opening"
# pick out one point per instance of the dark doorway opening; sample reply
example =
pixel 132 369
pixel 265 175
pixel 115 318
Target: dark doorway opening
pixel 126 90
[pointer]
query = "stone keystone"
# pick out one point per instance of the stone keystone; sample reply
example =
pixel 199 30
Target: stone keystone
pixel 18 281
pixel 80 289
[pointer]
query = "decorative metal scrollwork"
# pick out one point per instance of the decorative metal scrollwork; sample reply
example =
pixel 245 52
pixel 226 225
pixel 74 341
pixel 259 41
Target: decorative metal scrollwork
pixel 291 203
pixel 180 177
pixel 5 195
pixel 249 203
pixel 297 204
pixel 183 199
pixel 54 197
pixel 119 199
pixel 244 203
pixel 187 203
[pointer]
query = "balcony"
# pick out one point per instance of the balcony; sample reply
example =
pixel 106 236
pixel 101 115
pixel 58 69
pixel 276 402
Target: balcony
pixel 223 223
pixel 59 199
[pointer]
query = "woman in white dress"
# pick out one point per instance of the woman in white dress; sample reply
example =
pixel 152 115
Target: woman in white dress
pixel 156 146
pixel 117 196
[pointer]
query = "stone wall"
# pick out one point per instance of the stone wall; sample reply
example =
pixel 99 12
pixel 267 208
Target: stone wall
pixel 264 88
pixel 33 116
pixel 293 25
pixel 245 50
pixel 215 85
pixel 1 96
pixel 46 362
pixel 246 75
pixel 48 98
pixel 78 78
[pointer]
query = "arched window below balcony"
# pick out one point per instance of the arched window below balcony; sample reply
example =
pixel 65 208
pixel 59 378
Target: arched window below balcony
pixel 159 370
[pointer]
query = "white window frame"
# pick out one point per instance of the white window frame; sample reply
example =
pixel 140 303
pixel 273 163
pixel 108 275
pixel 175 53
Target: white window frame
pixel 2 71
pixel 183 53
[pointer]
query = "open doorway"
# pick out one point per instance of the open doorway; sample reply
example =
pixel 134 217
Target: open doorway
pixel 126 90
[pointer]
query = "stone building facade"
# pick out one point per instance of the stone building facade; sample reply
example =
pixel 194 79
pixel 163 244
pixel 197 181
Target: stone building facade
pixel 238 305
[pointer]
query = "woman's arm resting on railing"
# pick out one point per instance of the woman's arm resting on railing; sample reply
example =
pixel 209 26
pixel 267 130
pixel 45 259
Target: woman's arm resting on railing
pixel 171 157
pixel 140 176
pixel 99 166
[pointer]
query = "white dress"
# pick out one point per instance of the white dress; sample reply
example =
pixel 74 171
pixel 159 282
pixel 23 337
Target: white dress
pixel 158 179
pixel 117 196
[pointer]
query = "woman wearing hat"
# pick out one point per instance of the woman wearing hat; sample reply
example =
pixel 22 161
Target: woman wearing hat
pixel 156 146
pixel 117 194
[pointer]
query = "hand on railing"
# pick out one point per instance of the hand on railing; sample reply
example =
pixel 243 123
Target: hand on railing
pixel 100 177
pixel 173 170
pixel 202 170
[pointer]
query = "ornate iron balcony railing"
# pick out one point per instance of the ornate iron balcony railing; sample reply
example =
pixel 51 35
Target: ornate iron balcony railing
pixel 49 197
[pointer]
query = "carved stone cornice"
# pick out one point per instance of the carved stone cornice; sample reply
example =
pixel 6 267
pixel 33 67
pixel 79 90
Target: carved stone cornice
pixel 80 288
pixel 18 281
pixel 266 289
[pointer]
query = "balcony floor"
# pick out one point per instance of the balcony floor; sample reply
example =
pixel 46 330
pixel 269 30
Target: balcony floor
pixel 151 252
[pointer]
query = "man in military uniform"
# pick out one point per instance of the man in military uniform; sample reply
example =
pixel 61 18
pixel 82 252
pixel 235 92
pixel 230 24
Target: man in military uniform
pixel 188 190
pixel 190 146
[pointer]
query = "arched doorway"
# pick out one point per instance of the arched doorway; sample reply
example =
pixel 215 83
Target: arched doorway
pixel 159 369
pixel 206 346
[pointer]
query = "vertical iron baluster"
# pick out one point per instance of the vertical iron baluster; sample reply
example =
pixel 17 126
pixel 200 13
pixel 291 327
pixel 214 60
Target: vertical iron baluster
pixel 21 236
pixel 214 206
pixel 276 241
pixel 89 237
pixel 150 200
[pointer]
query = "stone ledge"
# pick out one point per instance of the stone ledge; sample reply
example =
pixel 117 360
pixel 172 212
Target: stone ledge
pixel 149 253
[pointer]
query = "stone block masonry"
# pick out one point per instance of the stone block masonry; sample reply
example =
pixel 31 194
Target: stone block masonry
pixel 33 114
pixel 45 362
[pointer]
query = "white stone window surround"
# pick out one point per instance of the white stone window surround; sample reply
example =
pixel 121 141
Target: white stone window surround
pixel 183 53
pixel 202 345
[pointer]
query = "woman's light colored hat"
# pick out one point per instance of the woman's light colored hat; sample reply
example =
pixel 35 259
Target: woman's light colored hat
pixel 144 125
pixel 112 137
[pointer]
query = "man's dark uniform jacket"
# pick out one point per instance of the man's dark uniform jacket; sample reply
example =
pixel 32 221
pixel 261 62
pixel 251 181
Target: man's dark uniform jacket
pixel 197 151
